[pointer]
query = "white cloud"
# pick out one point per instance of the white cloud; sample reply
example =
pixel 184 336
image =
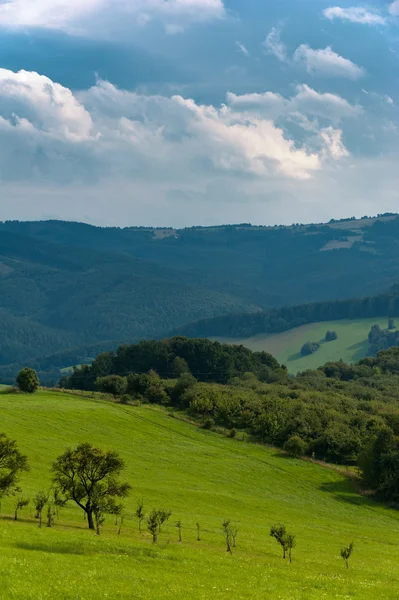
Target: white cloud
pixel 354 14
pixel 243 49
pixel 327 62
pixel 394 8
pixel 273 45
pixel 77 15
pixel 306 101
pixel 333 143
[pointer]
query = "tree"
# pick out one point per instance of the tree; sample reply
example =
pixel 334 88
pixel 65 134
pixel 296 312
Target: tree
pixel 12 464
pixel 346 553
pixel 309 348
pixel 284 538
pixel 179 528
pixel 295 446
pixel 153 524
pixel 39 502
pixel 198 532
pixel 179 366
pixel 20 503
pixel 27 380
pixel 88 476
pixel 228 535
pixel 331 336
pixel 391 324
pixel 112 384
pixel 164 515
pixel 140 514
pixel 51 513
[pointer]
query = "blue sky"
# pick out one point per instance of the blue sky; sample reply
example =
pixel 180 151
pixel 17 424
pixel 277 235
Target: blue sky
pixel 182 112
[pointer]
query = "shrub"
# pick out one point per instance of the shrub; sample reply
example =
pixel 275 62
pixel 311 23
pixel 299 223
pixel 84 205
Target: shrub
pixel 295 446
pixel 331 336
pixel 27 380
pixel 309 348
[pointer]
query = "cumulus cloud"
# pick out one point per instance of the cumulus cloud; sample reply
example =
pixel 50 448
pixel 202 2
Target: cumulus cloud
pixel 77 15
pixel 327 62
pixel 306 101
pixel 355 14
pixel 273 45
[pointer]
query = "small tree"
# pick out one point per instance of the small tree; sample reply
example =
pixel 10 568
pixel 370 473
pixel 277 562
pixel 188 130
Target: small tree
pixel 164 515
pixel 346 553
pixel 295 446
pixel 122 517
pixel 179 528
pixel 112 384
pixel 279 533
pixel 51 514
pixel 27 380
pixel 88 476
pixel 39 502
pixel 20 503
pixel 290 543
pixel 140 514
pixel 198 532
pixel 153 524
pixel 179 366
pixel 331 336
pixel 12 464
pixel 309 348
pixel 228 535
pixel 391 324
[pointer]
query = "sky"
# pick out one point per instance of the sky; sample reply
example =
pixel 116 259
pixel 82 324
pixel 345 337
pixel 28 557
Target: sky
pixel 198 112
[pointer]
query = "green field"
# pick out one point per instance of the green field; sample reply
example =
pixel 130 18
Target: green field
pixel 351 344
pixel 203 477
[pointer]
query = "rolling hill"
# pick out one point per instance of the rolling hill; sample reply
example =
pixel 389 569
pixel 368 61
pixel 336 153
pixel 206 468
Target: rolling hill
pixel 351 345
pixel 66 286
pixel 202 477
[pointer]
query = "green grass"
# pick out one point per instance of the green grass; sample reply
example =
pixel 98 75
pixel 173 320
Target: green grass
pixel 201 476
pixel 351 344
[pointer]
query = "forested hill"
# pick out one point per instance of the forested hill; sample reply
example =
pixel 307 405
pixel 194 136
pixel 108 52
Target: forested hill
pixel 70 285
pixel 281 319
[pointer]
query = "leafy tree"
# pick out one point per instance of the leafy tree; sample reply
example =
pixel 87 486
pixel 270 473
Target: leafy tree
pixel 331 336
pixel 309 348
pixel 285 539
pixel 140 514
pixel 20 503
pixel 112 384
pixel 51 514
pixel 12 464
pixel 88 476
pixel 27 380
pixel 391 324
pixel 290 543
pixel 295 446
pixel 346 553
pixel 39 502
pixel 164 515
pixel 228 535
pixel 179 366
pixel 153 525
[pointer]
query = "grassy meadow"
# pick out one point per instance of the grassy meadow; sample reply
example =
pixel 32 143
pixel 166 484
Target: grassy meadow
pixel 351 344
pixel 203 477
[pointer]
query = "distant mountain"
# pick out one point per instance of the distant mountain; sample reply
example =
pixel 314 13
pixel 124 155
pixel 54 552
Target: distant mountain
pixel 65 286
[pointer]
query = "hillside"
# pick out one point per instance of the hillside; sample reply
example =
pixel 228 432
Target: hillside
pixel 83 285
pixel 203 477
pixel 351 345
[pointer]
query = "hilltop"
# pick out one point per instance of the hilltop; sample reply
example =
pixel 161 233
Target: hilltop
pixel 72 287
pixel 202 477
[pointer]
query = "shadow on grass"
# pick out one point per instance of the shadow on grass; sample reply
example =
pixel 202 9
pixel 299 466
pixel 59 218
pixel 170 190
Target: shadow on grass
pixel 83 550
pixel 296 356
pixel 344 491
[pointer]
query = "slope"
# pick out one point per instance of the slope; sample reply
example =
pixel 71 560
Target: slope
pixel 351 345
pixel 204 478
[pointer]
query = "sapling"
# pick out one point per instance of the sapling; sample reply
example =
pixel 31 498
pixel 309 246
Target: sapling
pixel 164 515
pixel 153 524
pixel 20 503
pixel 51 513
pixel 198 532
pixel 140 514
pixel 346 553
pixel 290 543
pixel 179 527
pixel 40 501
pixel 279 533
pixel 227 530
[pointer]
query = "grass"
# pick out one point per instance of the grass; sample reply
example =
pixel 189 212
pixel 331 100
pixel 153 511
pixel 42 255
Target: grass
pixel 203 477
pixel 351 345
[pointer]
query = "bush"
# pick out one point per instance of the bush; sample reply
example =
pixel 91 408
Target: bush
pixel 27 380
pixel 126 399
pixel 209 423
pixel 309 348
pixel 295 446
pixel 331 336
pixel 112 384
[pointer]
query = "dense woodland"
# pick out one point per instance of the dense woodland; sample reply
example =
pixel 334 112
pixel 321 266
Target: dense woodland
pixel 342 413
pixel 66 286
